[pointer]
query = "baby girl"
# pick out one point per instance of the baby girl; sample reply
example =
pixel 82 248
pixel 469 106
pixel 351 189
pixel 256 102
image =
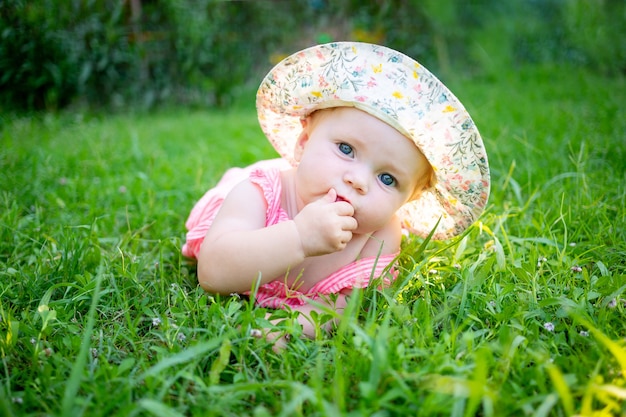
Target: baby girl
pixel 371 144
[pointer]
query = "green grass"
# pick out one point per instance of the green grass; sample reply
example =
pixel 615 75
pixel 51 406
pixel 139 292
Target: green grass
pixel 522 316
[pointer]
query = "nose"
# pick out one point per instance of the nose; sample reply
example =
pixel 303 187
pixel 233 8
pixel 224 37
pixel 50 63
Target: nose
pixel 357 179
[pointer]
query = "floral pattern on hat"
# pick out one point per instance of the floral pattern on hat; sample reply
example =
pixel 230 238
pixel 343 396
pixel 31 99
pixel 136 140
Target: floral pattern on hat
pixel 399 91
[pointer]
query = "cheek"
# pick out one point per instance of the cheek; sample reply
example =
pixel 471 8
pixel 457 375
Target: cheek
pixel 381 209
pixel 311 175
pixel 306 166
pixel 318 162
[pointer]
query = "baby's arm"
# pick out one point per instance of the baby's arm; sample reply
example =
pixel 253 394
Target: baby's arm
pixel 239 247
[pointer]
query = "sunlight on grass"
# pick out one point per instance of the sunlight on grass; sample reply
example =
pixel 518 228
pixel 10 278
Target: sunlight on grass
pixel 523 315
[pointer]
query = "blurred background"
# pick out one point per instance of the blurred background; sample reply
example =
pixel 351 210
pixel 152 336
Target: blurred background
pixel 115 54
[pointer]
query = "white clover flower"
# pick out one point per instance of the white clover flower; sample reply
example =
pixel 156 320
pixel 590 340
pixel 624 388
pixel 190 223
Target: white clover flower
pixel 612 303
pixel 584 333
pixel 576 268
pixel 548 326
pixel 156 321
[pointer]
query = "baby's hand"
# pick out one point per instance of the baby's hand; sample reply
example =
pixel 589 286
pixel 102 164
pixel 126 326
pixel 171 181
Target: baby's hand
pixel 326 225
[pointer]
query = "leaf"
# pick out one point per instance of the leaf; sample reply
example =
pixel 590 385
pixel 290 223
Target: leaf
pixel 613 390
pixel 186 355
pixel 618 352
pixel 124 366
pixel 500 257
pixel 546 406
pixel 221 362
pixel 561 387
pixel 543 240
pixel 158 409
pixel 12 333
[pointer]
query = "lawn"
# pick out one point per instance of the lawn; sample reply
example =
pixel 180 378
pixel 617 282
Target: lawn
pixel 524 315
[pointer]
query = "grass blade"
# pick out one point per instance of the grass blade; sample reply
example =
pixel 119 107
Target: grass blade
pixel 186 355
pixel 158 409
pixel 73 384
pixel 561 387
pixel 618 352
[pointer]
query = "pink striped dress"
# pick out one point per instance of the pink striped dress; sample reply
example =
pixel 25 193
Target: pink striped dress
pixel 277 294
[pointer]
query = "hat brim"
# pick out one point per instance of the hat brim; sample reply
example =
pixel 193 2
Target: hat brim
pixel 399 91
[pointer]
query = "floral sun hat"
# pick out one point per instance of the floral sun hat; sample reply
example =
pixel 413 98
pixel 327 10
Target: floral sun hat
pixel 399 91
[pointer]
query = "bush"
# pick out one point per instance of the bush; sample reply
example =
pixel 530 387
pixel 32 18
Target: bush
pixel 50 54
pixel 142 52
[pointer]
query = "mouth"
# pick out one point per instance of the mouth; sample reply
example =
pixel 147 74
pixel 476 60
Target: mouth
pixel 340 198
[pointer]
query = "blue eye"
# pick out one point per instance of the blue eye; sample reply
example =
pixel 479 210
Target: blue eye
pixel 387 179
pixel 345 148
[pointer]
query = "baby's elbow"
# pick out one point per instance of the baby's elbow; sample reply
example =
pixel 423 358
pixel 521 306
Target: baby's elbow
pixel 208 278
pixel 204 279
pixel 208 270
pixel 205 284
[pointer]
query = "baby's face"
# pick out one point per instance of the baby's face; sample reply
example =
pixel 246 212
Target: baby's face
pixel 369 163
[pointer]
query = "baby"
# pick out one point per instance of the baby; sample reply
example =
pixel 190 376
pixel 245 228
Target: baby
pixel 371 144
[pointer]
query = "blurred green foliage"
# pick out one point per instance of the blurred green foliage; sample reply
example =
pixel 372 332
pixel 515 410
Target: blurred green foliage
pixel 115 53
